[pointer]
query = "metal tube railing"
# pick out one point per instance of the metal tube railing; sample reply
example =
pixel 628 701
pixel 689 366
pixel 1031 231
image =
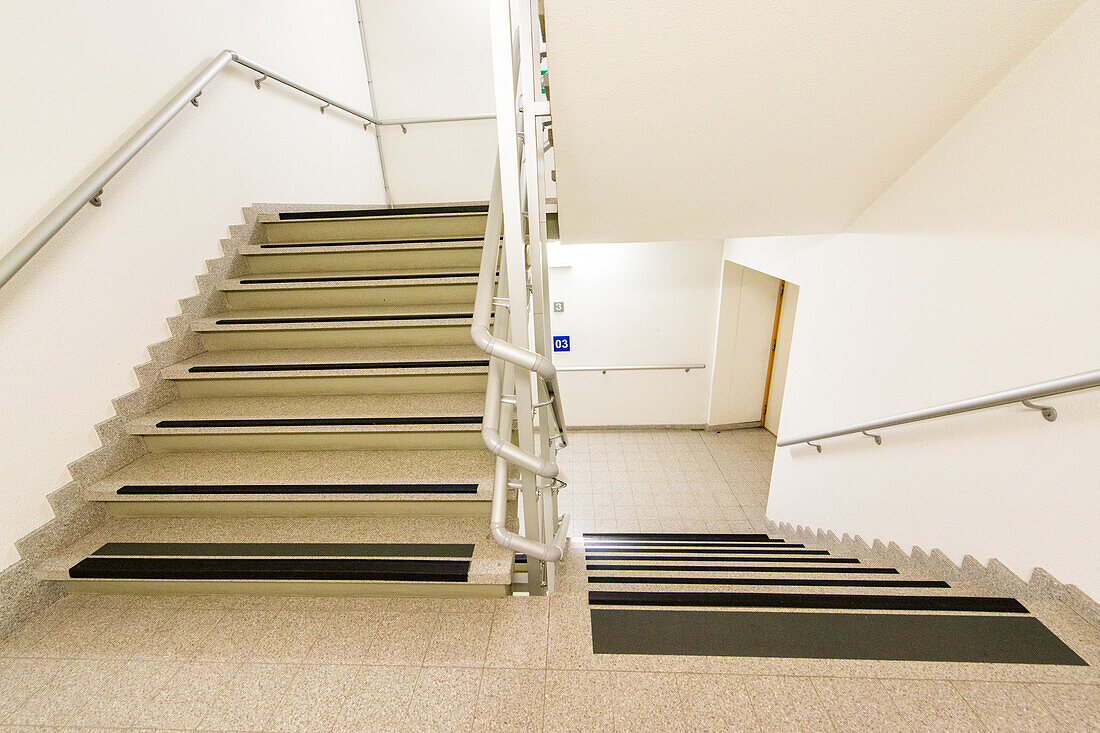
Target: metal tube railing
pixel 91 187
pixel 633 368
pixel 1022 395
pixel 513 280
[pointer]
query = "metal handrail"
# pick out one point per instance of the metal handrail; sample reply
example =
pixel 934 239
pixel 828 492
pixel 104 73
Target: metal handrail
pixel 511 308
pixel 91 187
pixel 633 368
pixel 1024 395
pixel 504 350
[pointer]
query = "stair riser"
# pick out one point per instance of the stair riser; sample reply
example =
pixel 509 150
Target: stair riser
pixel 395 228
pixel 409 440
pixel 392 260
pixel 287 588
pixel 322 385
pixel 352 296
pixel 225 508
pixel 334 338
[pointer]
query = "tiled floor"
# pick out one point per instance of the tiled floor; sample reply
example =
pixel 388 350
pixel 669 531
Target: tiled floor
pixel 296 664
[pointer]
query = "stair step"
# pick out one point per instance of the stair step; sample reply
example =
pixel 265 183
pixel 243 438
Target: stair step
pixel 270 555
pixel 643 580
pixel 347 289
pixel 283 549
pixel 267 489
pixel 419 571
pixel 849 601
pixel 306 483
pixel 344 256
pixel 364 326
pixel 682 536
pixel 409 369
pixel 387 212
pixel 318 422
pixel 744 568
pixel 370 226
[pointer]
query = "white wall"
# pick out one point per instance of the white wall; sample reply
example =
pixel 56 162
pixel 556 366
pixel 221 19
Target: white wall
pixel 746 319
pixel 976 271
pixel 431 58
pixel 633 304
pixel 78 78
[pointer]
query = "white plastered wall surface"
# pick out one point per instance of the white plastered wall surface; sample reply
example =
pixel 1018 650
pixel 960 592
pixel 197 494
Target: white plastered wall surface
pixel 631 304
pixel 79 78
pixel 976 271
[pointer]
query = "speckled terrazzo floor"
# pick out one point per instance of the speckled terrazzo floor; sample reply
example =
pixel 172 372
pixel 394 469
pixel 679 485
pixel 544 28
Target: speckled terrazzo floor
pixel 365 664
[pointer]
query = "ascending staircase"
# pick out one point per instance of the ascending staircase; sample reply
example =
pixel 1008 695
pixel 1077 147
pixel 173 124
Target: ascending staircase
pixel 328 440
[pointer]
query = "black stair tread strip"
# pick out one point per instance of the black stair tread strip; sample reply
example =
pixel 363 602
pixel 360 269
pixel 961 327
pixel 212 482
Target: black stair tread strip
pixel 284 549
pixel 723 558
pixel 296 422
pixel 353 278
pixel 288 245
pixel 384 213
pixel 851 601
pixel 824 582
pixel 821 635
pixel 749 537
pixel 684 543
pixel 200 489
pixel 333 366
pixel 749 568
pixel 343 319
pixel 647 551
pixel 129 568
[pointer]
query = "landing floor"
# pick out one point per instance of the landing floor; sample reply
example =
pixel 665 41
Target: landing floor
pixel 362 664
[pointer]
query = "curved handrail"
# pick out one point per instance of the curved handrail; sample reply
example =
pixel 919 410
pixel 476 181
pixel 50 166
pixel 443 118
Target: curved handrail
pixel 89 189
pixel 1072 383
pixel 500 349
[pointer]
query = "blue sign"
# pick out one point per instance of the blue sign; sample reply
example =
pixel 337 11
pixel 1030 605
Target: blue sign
pixel 561 343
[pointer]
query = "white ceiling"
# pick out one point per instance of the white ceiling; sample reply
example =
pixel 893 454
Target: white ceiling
pixel 698 119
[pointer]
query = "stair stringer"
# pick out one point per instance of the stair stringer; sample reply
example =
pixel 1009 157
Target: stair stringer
pixel 937 565
pixel 21 592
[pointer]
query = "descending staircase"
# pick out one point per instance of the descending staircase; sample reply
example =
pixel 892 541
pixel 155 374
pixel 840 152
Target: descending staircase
pixel 751 595
pixel 328 441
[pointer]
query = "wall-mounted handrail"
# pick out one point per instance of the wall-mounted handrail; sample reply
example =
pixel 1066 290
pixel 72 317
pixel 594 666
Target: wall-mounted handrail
pixel 89 189
pixel 633 368
pixel 1023 395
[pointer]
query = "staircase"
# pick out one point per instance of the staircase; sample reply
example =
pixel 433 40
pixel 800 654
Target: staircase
pixel 328 441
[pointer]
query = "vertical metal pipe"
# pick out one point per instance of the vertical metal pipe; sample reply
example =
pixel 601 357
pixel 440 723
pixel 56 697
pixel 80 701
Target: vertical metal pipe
pixel 373 104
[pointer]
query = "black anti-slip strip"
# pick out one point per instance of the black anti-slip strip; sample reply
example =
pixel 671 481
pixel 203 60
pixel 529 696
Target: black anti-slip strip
pixel 205 489
pixel 285 245
pixel 645 552
pixel 645 544
pixel 384 213
pixel 431 364
pixel 749 568
pixel 271 569
pixel 974 604
pixel 354 278
pixel 302 422
pixel 282 549
pixel 344 319
pixel 908 637
pixel 815 582
pixel 720 558
pixel 707 537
